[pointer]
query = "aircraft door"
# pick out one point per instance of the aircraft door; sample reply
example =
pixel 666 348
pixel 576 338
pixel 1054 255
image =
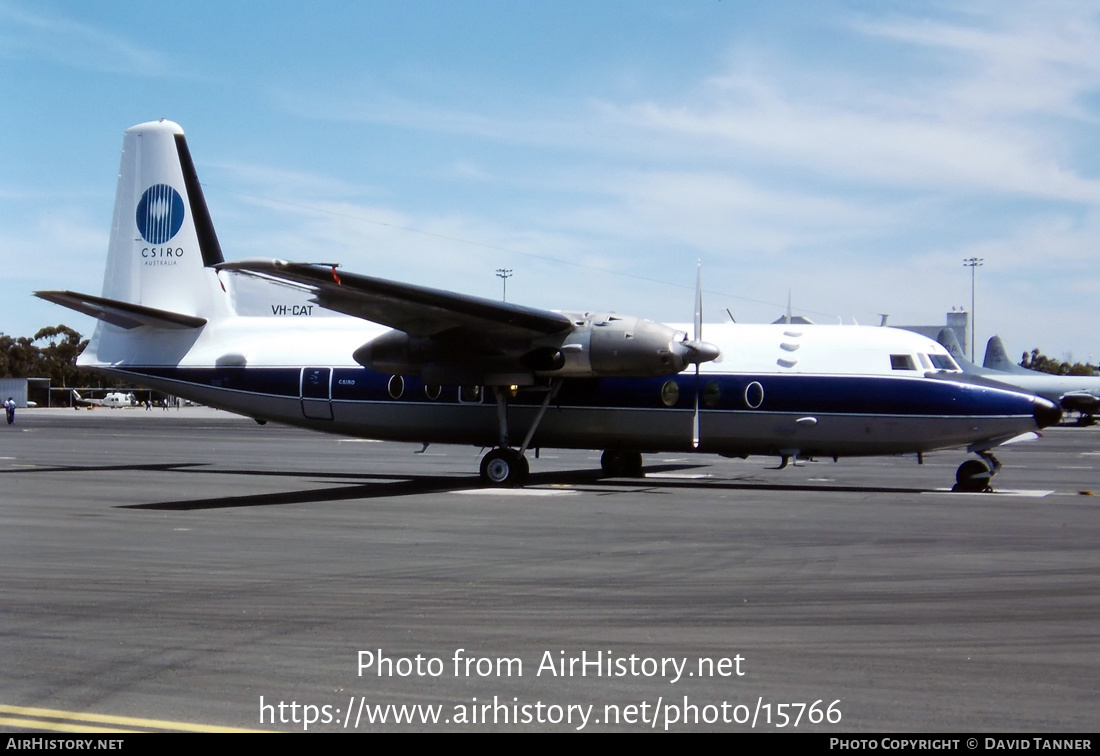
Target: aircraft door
pixel 316 393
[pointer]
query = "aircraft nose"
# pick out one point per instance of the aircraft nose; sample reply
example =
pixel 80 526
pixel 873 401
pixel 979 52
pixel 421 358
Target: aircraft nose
pixel 1046 412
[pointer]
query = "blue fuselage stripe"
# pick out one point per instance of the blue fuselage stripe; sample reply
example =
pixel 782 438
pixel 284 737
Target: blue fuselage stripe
pixel 863 395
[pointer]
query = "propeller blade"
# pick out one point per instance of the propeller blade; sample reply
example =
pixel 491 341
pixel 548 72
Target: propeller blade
pixel 695 416
pixel 698 335
pixel 701 349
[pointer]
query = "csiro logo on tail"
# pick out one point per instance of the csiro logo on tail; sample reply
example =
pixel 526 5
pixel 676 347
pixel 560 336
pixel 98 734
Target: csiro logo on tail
pixel 159 214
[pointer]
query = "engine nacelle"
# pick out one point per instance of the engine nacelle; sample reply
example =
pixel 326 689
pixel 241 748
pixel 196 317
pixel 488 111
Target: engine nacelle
pixel 605 345
pixel 597 346
pixel 394 352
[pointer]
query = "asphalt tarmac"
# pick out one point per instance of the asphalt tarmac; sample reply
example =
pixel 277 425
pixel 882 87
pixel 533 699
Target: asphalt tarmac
pixel 189 569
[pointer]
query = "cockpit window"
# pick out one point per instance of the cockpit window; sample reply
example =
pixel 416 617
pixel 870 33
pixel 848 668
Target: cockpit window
pixel 902 362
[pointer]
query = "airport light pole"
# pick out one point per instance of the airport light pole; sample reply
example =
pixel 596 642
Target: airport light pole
pixel 504 274
pixel 972 263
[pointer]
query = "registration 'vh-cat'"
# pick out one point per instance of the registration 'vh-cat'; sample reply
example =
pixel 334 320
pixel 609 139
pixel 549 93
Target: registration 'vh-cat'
pixel 410 363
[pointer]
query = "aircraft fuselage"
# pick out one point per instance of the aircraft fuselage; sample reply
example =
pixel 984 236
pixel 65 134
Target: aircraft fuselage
pixel 841 397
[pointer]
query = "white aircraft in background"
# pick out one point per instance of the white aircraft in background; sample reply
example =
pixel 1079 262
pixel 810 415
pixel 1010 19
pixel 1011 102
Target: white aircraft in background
pixel 113 399
pixel 1073 393
pixel 410 363
pixel 1077 393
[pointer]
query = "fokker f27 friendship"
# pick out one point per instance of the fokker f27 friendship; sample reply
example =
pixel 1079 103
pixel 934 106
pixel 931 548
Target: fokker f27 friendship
pixel 409 363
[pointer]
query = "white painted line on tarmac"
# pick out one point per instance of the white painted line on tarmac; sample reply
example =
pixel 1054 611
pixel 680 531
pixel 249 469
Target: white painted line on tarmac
pixel 1017 492
pixel 516 492
pixel 677 476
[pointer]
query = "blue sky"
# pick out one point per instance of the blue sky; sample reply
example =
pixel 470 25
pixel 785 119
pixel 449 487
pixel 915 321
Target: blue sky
pixel 850 153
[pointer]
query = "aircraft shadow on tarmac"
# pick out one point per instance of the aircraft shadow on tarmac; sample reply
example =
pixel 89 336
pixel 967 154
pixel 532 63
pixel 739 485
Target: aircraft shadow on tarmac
pixel 373 486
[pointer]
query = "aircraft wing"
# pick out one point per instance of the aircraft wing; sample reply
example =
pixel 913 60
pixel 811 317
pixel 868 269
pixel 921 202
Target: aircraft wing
pixel 416 310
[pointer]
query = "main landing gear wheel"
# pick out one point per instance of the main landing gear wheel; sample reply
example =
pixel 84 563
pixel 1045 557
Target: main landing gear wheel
pixel 504 468
pixel 621 464
pixel 974 476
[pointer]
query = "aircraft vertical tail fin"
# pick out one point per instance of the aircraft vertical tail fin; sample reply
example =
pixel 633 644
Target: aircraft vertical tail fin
pixel 163 247
pixel 996 357
pixel 949 341
pixel 163 244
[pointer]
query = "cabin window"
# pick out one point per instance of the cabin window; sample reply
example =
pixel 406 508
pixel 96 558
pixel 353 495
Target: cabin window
pixel 902 362
pixel 711 394
pixel 754 395
pixel 432 390
pixel 396 386
pixel 470 394
pixel 670 393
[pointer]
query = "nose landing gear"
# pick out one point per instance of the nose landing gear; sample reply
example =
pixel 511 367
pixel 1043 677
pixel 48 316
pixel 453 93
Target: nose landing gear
pixel 976 475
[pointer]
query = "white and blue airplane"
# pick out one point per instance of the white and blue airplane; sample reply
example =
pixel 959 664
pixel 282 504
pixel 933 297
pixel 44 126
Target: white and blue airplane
pixel 409 363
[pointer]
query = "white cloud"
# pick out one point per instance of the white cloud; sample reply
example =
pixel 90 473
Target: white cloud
pixel 1023 58
pixel 59 39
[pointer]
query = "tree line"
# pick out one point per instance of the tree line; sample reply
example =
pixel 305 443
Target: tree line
pixel 1036 360
pixel 50 353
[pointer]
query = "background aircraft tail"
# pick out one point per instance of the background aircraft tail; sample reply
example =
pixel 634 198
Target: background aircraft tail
pixel 949 341
pixel 996 357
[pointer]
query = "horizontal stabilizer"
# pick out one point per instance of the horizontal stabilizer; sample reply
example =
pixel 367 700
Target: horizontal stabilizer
pixel 121 314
